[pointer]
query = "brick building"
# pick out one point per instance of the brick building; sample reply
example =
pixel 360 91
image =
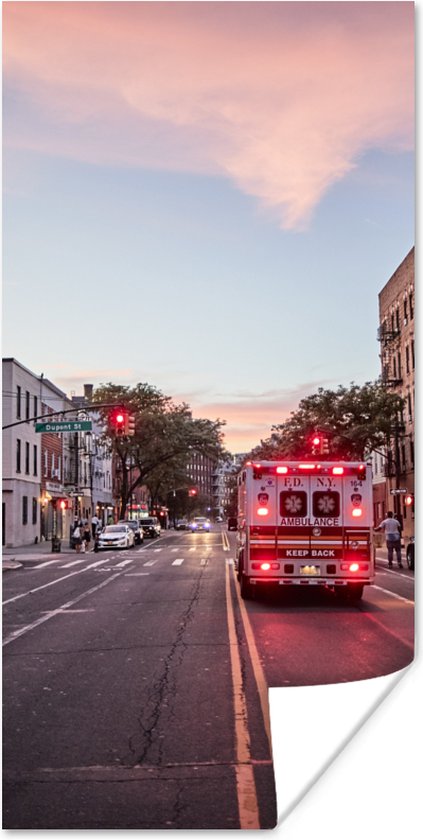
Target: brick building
pixel 396 336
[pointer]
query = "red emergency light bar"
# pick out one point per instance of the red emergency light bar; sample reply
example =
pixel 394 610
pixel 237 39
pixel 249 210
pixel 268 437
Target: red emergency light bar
pixel 358 470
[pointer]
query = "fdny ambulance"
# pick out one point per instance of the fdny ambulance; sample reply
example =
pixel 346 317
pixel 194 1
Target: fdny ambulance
pixel 305 523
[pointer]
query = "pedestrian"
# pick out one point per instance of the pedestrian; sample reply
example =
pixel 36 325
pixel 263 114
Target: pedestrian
pixel 86 537
pixel 77 538
pixel 392 530
pixel 95 522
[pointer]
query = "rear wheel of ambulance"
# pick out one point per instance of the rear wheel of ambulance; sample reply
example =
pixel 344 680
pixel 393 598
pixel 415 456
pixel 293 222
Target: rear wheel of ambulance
pixel 350 594
pixel 246 588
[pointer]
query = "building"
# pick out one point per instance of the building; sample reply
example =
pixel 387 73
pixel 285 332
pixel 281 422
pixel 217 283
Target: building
pixel 200 471
pixel 91 469
pixel 21 456
pixel 394 474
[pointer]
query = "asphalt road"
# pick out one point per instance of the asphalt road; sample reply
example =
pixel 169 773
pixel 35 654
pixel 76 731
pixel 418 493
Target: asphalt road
pixel 135 682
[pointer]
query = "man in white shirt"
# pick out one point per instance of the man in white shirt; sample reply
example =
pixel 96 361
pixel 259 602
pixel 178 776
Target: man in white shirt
pixel 392 529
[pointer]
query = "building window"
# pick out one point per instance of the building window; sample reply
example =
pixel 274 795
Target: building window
pixel 403 458
pixel 405 310
pixel 411 302
pixel 399 365
pixel 45 463
pixel 410 409
pixel 35 406
pixel 407 359
pixel 35 460
pixel 397 319
pixel 18 455
pixel 412 352
pixel 24 510
pixel 34 511
pixel 27 405
pixel 18 402
pixel 412 452
pixel 26 458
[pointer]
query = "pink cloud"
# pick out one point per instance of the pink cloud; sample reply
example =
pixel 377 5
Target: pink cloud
pixel 281 98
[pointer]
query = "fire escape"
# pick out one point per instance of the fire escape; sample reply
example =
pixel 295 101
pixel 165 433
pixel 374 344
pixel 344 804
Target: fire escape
pixel 390 356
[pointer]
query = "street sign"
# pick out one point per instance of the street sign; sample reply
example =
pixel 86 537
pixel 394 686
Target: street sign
pixel 398 491
pixel 63 426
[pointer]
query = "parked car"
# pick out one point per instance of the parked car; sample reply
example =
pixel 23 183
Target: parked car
pixel 232 523
pixel 199 523
pixel 219 518
pixel 409 554
pixel 116 536
pixel 151 526
pixel 181 524
pixel 136 528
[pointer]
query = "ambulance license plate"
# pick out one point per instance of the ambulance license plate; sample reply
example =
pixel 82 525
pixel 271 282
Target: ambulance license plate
pixel 309 570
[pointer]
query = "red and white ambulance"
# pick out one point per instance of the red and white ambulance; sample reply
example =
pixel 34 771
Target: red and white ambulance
pixel 305 523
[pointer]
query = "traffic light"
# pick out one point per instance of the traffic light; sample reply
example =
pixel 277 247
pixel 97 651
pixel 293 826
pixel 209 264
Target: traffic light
pixel 316 443
pixel 324 449
pixel 192 491
pixel 63 504
pixel 409 499
pixel 117 421
pixel 130 424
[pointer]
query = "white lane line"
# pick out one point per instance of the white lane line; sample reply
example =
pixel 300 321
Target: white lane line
pixel 388 571
pixel 204 561
pixel 193 549
pixel 151 562
pixel 157 549
pixel 52 582
pixel 178 561
pixel 393 594
pixel 174 549
pixel 17 633
pixel 136 574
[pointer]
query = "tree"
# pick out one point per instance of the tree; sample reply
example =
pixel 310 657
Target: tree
pixel 166 434
pixel 355 420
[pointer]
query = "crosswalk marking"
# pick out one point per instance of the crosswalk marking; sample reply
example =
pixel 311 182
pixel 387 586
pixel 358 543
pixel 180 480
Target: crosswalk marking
pixel 48 563
pixel 74 563
pixel 203 561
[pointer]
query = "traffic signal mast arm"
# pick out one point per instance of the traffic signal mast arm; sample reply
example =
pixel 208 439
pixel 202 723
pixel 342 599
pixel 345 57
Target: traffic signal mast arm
pixel 67 411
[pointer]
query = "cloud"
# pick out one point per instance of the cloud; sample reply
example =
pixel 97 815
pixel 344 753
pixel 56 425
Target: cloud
pixel 280 98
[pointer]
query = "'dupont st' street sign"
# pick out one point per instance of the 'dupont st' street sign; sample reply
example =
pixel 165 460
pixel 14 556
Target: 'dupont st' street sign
pixel 62 426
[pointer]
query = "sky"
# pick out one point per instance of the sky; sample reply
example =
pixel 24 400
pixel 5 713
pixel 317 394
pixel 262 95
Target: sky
pixel 207 197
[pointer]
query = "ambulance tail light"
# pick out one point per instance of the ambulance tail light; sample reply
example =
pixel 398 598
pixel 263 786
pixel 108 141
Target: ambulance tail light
pixel 361 471
pixel 262 511
pixel 354 567
pixel 265 567
pixel 357 512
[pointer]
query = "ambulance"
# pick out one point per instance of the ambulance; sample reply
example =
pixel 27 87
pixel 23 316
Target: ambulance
pixel 305 523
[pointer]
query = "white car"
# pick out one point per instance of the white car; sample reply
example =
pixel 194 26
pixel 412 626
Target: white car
pixel 116 536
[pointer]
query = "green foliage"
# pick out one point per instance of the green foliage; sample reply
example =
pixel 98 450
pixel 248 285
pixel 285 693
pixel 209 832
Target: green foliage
pixel 356 420
pixel 166 435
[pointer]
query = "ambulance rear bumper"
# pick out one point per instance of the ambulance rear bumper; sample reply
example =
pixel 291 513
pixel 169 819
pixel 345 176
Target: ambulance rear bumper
pixel 310 581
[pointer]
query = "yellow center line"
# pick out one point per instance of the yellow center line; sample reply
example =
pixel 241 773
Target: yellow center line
pixel 244 773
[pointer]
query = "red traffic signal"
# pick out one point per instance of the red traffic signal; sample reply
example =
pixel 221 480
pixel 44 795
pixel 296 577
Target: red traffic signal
pixel 117 421
pixel 63 504
pixel 192 491
pixel 409 499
